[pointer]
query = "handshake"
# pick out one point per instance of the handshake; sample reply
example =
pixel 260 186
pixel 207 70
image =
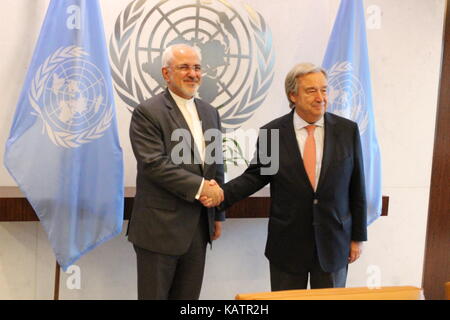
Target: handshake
pixel 212 194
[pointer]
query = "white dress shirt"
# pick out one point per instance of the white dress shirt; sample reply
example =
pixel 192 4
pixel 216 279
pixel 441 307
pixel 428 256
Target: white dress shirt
pixel 319 135
pixel 189 111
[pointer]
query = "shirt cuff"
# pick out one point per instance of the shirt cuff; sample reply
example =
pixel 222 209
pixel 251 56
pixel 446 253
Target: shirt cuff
pixel 197 196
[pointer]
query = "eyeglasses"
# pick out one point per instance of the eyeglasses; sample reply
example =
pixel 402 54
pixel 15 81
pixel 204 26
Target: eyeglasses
pixel 186 68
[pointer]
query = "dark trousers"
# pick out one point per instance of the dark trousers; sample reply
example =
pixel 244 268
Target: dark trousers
pixel 318 279
pixel 162 277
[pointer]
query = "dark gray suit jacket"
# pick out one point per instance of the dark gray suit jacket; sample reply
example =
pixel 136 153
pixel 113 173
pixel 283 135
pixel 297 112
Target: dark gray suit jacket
pixel 301 219
pixel 165 213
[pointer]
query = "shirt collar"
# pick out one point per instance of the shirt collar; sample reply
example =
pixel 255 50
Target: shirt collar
pixel 299 123
pixel 181 101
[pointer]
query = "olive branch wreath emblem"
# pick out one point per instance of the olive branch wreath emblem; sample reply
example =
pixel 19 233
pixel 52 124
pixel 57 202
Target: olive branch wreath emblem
pixel 63 138
pixel 257 92
pixel 119 48
pixel 357 112
pixel 129 91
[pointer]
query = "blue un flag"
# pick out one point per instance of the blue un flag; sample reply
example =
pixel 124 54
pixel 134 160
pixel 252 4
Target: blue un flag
pixel 63 149
pixel 350 94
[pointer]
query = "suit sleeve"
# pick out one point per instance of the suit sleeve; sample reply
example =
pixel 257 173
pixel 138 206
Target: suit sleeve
pixel 156 166
pixel 251 180
pixel 358 204
pixel 219 212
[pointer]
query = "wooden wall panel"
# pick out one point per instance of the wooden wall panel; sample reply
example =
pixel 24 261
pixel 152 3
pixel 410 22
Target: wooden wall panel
pixel 19 209
pixel 437 248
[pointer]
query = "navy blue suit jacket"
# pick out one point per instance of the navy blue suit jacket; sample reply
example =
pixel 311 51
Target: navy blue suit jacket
pixel 302 220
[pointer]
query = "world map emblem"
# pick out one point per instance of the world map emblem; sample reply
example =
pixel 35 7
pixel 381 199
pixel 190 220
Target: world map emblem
pixel 69 94
pixel 346 96
pixel 235 43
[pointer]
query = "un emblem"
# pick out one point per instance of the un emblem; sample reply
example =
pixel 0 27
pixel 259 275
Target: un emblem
pixel 69 94
pixel 346 95
pixel 236 47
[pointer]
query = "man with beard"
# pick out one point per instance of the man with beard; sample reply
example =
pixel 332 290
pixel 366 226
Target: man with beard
pixel 169 227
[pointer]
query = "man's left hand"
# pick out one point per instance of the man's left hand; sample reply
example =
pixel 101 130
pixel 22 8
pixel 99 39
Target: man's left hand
pixel 355 251
pixel 217 230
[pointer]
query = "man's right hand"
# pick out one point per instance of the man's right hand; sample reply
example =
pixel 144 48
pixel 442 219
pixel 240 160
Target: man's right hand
pixel 212 194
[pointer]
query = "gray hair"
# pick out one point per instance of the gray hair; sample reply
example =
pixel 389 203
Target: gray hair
pixel 299 70
pixel 167 55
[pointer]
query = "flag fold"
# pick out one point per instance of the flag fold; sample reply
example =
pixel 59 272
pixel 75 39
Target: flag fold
pixel 350 94
pixel 63 149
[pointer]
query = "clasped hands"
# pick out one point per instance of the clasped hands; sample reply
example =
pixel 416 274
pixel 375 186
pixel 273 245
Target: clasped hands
pixel 212 194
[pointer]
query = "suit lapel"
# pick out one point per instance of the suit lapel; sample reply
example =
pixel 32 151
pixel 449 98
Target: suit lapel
pixel 205 116
pixel 174 111
pixel 328 147
pixel 180 122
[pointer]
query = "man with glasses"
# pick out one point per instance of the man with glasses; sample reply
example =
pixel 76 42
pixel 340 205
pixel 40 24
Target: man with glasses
pixel 169 227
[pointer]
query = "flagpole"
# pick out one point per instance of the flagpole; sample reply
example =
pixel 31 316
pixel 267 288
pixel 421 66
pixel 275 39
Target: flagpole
pixel 57 278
